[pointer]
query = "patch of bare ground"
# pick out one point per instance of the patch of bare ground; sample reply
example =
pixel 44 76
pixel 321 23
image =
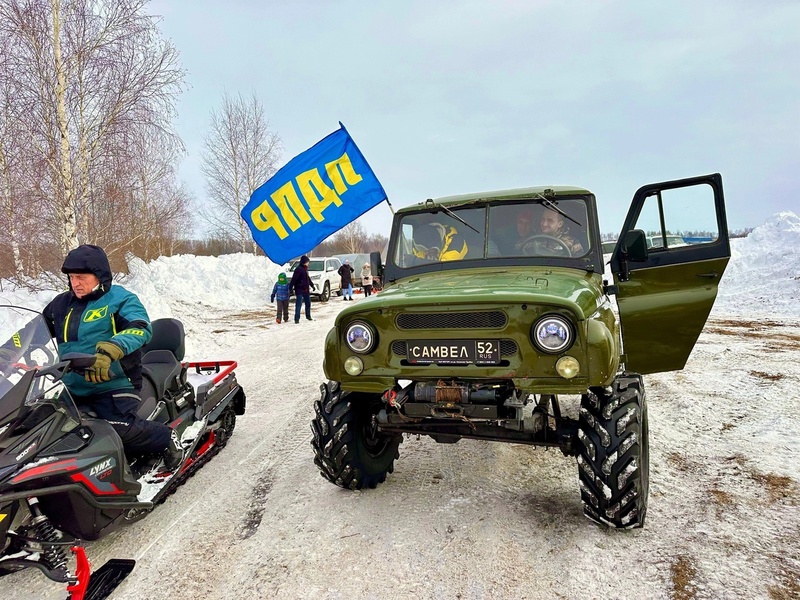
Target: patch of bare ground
pixel 681 462
pixel 788 587
pixel 720 497
pixel 788 569
pixel 683 574
pixel 762 330
pixel 249 315
pixel 767 376
pixel 779 487
pixel 757 325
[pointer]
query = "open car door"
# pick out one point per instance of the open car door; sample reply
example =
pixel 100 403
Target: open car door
pixel 671 253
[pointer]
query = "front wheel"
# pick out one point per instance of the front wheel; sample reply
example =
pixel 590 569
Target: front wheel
pixel 349 449
pixel 614 458
pixel 326 292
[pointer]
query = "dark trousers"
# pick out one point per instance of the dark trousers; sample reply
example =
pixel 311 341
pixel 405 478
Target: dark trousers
pixel 119 408
pixel 367 290
pixel 283 310
pixel 299 299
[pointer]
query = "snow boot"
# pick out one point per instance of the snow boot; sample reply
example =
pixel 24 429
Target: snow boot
pixel 173 455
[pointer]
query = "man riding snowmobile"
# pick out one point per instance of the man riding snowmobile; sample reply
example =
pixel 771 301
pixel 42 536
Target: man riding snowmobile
pixel 98 317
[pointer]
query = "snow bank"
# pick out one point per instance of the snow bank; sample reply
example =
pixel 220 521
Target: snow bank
pixel 763 277
pixel 763 274
pixel 231 282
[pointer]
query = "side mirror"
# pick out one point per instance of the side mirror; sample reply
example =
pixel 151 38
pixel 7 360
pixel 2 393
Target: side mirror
pixel 635 246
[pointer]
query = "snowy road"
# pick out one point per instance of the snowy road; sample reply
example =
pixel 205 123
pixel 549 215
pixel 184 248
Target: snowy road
pixel 478 519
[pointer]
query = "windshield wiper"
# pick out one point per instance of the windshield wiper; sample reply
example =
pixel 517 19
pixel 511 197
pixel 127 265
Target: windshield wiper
pixel 454 215
pixel 552 206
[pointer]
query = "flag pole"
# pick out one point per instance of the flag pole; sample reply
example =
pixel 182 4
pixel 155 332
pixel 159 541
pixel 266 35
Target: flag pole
pixel 391 208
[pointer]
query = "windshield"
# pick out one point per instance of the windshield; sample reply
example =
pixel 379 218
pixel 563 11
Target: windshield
pixel 27 394
pixel 534 228
pixel 313 265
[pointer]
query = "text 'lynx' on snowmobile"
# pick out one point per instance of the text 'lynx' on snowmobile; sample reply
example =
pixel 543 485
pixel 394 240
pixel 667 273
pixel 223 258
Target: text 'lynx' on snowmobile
pixel 64 475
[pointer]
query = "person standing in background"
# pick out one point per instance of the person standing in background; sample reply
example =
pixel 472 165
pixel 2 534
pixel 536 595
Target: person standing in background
pixel 346 273
pixel 302 285
pixel 366 279
pixel 281 291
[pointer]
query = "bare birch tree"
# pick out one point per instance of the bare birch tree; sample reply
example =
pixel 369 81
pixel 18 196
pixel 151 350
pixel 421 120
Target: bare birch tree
pixel 240 153
pixel 351 237
pixel 86 69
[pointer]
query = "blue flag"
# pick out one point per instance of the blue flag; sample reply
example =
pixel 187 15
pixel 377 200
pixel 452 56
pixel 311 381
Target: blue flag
pixel 311 197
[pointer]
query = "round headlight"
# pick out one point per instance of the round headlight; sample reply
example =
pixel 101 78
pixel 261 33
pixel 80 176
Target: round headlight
pixel 353 365
pixel 552 334
pixel 359 337
pixel 568 367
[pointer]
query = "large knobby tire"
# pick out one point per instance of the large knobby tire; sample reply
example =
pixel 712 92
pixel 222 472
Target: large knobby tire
pixel 348 448
pixel 326 292
pixel 614 457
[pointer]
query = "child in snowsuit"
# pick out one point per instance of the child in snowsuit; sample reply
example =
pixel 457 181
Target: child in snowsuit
pixel 281 291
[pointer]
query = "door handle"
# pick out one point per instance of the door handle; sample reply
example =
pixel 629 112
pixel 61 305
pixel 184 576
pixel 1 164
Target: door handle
pixel 712 275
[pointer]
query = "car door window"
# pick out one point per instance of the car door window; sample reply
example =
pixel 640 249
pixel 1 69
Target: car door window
pixel 679 217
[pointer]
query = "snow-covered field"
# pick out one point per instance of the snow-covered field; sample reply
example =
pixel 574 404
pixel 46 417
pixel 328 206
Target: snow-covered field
pixel 476 519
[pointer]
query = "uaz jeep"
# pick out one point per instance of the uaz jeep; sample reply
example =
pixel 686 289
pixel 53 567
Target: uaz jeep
pixel 495 314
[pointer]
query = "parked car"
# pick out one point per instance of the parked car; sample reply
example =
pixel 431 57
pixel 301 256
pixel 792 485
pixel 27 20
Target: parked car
pixel 657 241
pixel 608 246
pixel 324 271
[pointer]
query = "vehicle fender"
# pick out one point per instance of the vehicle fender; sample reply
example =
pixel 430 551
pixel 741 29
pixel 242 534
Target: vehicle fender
pixel 331 364
pixel 602 349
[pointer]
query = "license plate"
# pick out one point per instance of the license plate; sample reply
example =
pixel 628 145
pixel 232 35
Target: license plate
pixel 453 352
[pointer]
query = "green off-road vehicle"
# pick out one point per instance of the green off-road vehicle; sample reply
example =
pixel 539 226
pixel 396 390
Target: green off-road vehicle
pixel 496 323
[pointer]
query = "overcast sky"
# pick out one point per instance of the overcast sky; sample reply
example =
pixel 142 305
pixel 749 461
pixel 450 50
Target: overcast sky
pixel 454 96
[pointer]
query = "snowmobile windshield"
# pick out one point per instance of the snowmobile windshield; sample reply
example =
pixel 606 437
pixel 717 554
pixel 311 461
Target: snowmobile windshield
pixel 30 392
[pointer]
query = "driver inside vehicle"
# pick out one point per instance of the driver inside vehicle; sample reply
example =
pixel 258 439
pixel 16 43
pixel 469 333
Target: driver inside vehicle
pixel 552 225
pixel 551 238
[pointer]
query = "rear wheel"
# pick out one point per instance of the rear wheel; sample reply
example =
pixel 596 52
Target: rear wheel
pixel 326 292
pixel 614 458
pixel 349 449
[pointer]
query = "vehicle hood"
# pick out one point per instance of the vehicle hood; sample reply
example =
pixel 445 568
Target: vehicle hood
pixel 577 290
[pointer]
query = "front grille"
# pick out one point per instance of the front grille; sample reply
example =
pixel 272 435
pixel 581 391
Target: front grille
pixel 465 320
pixel 507 348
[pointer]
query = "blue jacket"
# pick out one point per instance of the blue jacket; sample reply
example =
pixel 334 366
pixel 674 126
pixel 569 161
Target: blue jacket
pixel 281 291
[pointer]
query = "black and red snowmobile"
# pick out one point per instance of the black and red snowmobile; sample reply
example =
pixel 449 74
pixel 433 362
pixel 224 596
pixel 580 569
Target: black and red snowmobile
pixel 64 476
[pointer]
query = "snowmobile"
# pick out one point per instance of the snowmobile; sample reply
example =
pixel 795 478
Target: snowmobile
pixel 64 475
